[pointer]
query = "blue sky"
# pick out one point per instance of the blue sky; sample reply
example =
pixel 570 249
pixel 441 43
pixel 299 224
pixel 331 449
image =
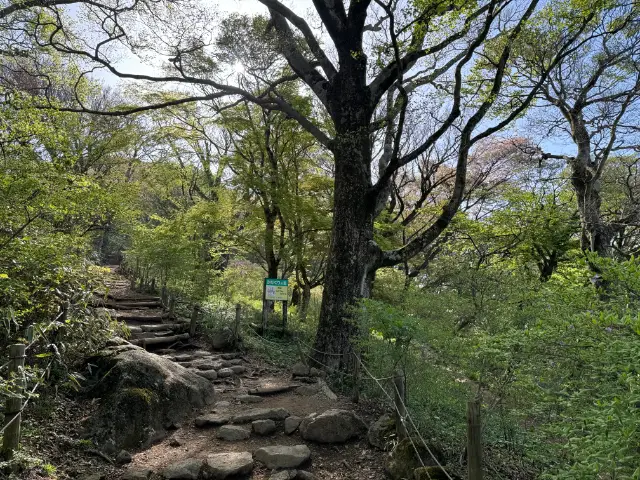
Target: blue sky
pixel 130 63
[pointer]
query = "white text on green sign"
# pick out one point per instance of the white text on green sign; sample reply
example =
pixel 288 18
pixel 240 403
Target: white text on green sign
pixel 276 289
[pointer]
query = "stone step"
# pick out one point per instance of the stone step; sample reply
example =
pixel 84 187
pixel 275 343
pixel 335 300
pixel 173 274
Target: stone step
pixel 134 316
pixel 148 342
pixel 131 305
pixel 158 327
pixel 133 297
pixel 161 333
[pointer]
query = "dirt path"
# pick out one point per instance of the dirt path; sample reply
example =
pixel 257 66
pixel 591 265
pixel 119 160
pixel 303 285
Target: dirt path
pixel 235 375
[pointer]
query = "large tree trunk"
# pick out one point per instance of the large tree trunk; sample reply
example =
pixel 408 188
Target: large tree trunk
pixel 586 182
pixel 596 233
pixel 349 268
pixel 351 260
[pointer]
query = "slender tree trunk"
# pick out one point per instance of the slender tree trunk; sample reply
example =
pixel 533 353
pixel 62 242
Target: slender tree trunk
pixel 272 260
pixel 295 296
pixel 306 299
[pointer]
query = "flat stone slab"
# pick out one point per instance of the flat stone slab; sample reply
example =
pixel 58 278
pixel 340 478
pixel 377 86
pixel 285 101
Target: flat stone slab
pixel 232 362
pixel 249 399
pixel 208 374
pixel 225 465
pixel 270 390
pixel 212 420
pixel 283 456
pixel 233 433
pixel 260 414
pixel 188 469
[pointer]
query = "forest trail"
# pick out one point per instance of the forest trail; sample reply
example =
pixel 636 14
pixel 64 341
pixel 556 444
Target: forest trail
pixel 255 403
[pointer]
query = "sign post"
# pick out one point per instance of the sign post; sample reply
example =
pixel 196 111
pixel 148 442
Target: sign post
pixel 275 289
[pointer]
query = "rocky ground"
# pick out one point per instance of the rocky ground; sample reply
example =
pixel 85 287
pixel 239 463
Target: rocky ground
pixel 252 420
pixel 162 405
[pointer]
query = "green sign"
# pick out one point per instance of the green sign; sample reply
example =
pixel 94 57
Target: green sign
pixel 276 289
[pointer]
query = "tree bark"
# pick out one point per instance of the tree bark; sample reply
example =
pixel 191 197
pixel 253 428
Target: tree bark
pixel 349 266
pixel 306 299
pixel 586 182
pixel 269 245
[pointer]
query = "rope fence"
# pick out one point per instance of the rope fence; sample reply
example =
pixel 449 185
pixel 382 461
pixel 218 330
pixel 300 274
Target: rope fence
pixel 397 400
pixel 14 405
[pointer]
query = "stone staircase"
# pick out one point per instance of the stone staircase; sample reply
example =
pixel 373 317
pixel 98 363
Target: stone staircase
pixel 266 424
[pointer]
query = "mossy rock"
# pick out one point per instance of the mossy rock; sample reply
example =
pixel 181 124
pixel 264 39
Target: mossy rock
pixel 407 457
pixel 432 473
pixel 141 396
pixel 381 432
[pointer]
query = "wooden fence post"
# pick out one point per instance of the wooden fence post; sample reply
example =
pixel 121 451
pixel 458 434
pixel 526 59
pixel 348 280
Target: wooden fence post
pixel 400 406
pixel 474 440
pixel 172 306
pixel 164 295
pixel 194 320
pixel 355 397
pixel 265 307
pixel 284 317
pixel 13 406
pixel 236 327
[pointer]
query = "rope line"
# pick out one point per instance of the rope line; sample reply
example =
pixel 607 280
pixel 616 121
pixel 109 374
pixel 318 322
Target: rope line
pixel 29 397
pixel 408 415
pixel 413 445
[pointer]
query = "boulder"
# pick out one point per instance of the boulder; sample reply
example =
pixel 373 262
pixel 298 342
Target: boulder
pixel 263 427
pixel 291 424
pixel 225 465
pixel 211 420
pixel 407 457
pixel 332 426
pixel 140 394
pixel 282 456
pixel 300 370
pixel 233 433
pixel 188 469
pixel 381 432
pixel 222 339
pixel 260 414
